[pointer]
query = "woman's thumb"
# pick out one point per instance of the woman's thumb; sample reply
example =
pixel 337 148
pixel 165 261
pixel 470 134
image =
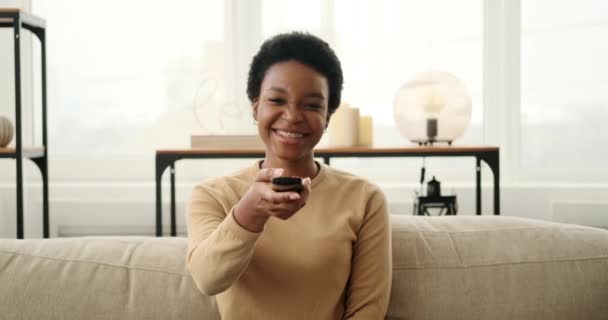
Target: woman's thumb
pixel 269 173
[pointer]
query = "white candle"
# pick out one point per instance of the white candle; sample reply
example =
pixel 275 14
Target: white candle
pixel 366 133
pixel 344 127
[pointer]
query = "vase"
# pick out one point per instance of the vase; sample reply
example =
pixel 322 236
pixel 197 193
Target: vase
pixel 6 131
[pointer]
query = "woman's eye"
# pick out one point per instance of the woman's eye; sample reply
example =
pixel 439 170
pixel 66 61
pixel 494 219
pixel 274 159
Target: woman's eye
pixel 276 100
pixel 314 106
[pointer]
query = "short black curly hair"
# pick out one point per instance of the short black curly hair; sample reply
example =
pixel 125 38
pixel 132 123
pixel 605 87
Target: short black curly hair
pixel 304 48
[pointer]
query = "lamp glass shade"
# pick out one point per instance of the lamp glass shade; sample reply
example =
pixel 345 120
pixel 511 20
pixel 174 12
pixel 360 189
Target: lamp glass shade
pixel 432 95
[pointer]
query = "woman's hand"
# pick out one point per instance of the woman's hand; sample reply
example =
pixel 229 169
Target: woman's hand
pixel 261 202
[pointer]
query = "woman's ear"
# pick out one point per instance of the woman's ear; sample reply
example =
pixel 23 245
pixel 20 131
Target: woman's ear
pixel 255 105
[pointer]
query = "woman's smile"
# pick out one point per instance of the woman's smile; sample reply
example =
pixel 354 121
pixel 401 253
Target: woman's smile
pixel 290 136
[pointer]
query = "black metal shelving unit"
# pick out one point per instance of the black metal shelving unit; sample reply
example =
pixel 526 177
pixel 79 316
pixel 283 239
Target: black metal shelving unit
pixel 19 20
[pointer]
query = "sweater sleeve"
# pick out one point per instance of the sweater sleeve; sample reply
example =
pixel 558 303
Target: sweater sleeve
pixel 219 249
pixel 368 292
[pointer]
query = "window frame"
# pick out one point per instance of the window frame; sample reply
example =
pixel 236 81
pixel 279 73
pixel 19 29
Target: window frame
pixel 501 45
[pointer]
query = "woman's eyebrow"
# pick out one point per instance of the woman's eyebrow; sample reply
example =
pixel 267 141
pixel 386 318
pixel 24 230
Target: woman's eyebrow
pixel 316 95
pixel 310 95
pixel 278 89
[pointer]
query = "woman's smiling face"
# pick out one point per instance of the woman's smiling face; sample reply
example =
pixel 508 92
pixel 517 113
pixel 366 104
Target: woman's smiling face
pixel 291 110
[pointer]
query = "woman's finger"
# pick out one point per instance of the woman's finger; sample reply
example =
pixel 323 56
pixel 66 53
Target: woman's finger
pixel 274 197
pixel 306 183
pixel 266 175
pixel 285 210
pixel 287 196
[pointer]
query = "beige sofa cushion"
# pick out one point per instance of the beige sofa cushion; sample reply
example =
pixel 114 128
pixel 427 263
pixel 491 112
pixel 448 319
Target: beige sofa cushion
pixel 443 268
pixel 497 268
pixel 99 278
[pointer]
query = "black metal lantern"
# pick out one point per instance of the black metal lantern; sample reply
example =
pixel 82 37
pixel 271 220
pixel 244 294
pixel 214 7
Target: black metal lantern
pixel 433 188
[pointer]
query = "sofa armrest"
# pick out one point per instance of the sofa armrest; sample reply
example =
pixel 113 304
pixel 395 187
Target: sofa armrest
pixel 497 267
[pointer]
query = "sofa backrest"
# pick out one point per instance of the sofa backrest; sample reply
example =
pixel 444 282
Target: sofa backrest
pixel 99 278
pixel 497 267
pixel 462 267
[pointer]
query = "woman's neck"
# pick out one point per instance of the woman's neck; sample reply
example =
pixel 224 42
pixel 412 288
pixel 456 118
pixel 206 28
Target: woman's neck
pixel 302 168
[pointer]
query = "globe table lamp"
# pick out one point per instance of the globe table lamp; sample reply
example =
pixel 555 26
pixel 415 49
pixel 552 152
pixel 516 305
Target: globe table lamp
pixel 432 107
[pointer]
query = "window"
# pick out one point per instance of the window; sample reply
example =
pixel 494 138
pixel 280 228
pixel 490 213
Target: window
pixel 383 44
pixel 285 15
pixel 124 82
pixel 564 80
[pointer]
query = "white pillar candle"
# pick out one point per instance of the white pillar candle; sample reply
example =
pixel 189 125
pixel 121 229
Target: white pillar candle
pixel 344 127
pixel 366 133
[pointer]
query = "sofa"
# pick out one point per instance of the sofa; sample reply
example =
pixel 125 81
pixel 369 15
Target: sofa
pixel 459 267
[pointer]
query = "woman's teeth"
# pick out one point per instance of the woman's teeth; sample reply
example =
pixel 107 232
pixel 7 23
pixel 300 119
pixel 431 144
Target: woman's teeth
pixel 290 134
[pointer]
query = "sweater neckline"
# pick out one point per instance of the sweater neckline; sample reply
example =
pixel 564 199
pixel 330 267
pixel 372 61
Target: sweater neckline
pixel 255 169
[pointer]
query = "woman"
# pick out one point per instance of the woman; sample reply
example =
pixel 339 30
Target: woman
pixel 321 253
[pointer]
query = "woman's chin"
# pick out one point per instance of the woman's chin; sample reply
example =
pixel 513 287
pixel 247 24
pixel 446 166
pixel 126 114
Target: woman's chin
pixel 291 153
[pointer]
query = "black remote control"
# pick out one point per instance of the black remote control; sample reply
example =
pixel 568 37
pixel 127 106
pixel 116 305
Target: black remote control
pixel 282 184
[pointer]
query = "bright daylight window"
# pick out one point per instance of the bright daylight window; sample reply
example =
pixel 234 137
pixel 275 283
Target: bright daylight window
pixel 382 44
pixel 123 82
pixel 564 80
pixel 122 79
pixel 116 74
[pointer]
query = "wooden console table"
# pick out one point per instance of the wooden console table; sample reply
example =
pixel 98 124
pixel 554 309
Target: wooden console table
pixel 167 158
pixel 17 19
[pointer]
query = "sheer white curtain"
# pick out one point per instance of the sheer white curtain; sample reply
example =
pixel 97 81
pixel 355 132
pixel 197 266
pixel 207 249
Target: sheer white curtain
pixel 564 80
pixel 126 78
pixel 381 45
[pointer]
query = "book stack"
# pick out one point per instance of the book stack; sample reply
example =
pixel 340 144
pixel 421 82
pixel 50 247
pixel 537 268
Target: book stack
pixel 249 142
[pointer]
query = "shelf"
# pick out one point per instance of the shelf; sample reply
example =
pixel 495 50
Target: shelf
pixel 342 151
pixel 17 20
pixel 27 20
pixel 31 153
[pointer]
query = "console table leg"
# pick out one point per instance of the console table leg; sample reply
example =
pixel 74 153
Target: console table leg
pixel 159 213
pixel 45 160
pixel 45 202
pixel 19 197
pixel 496 192
pixel 173 220
pixel 18 142
pixel 478 186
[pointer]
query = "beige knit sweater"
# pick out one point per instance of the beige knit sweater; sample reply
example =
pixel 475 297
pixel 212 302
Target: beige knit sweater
pixel 331 260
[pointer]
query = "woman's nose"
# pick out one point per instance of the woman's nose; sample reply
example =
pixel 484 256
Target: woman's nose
pixel 292 113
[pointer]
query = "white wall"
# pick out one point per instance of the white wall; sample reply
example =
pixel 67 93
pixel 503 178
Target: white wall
pixel 81 209
pixel 101 207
